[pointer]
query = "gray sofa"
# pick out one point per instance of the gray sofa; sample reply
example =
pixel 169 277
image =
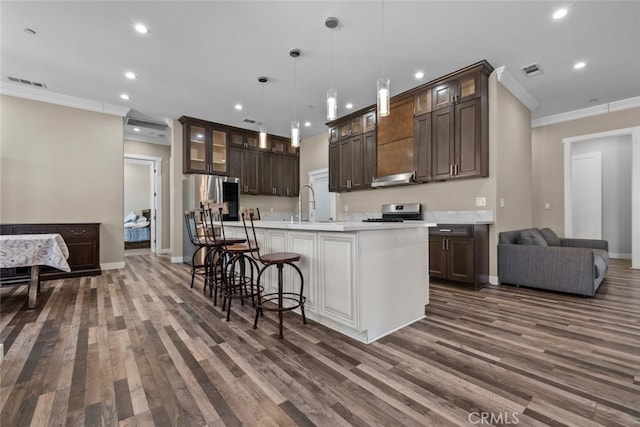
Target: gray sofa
pixel 540 259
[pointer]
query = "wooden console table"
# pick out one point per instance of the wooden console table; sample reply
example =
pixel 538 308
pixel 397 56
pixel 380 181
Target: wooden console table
pixel 33 250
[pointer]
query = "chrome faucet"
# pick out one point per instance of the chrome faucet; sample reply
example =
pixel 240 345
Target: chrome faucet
pixel 312 201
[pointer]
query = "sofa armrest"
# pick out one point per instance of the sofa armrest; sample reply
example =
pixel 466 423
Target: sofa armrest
pixel 585 243
pixel 565 269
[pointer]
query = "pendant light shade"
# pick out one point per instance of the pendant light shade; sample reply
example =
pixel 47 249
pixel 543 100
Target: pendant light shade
pixel 383 96
pixel 332 94
pixel 295 133
pixel 262 136
pixel 295 124
pixel 332 104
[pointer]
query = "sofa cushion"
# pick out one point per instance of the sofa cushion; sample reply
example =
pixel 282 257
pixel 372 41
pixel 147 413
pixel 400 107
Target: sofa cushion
pixel 550 237
pixel 531 236
pixel 601 260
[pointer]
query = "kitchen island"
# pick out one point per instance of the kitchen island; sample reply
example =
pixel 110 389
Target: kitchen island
pixel 364 280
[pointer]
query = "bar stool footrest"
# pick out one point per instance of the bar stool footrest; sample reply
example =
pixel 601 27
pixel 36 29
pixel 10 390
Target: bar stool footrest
pixel 274 297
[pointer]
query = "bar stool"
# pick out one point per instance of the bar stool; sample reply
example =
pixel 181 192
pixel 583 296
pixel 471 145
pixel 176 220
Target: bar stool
pixel 201 243
pixel 238 270
pixel 279 260
pixel 215 259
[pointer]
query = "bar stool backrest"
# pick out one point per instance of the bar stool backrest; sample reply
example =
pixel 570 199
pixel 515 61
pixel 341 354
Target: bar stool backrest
pixel 253 244
pixel 192 227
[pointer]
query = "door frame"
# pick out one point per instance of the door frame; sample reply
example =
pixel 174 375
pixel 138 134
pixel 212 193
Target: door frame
pixel 155 167
pixel 634 132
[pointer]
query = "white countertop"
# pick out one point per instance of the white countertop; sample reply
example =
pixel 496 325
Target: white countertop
pixel 334 225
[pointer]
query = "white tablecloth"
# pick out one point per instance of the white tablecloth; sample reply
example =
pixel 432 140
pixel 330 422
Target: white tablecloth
pixel 25 250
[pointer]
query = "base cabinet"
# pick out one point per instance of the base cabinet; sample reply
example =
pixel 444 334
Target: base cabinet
pixel 459 253
pixel 338 297
pixel 83 242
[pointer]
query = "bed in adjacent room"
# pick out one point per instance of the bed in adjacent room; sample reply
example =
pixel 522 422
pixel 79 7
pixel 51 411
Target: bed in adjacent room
pixel 137 230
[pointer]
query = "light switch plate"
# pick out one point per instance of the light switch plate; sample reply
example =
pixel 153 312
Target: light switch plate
pixel 547 205
pixel 481 201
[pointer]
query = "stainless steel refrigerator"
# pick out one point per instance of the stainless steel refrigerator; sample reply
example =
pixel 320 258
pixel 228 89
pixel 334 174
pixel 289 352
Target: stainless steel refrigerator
pixel 197 189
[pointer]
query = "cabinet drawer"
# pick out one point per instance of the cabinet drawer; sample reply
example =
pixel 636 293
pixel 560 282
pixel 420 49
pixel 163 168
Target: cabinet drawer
pixel 77 231
pixel 452 230
pixel 35 229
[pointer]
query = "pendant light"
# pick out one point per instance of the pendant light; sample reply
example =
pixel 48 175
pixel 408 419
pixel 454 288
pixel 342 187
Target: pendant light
pixel 332 94
pixel 295 124
pixel 383 82
pixel 262 136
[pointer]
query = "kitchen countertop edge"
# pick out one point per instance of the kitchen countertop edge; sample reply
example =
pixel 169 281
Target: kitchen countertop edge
pixel 336 226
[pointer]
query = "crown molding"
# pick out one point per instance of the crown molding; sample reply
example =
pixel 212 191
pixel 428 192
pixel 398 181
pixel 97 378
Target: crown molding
pixel 587 112
pixel 43 95
pixel 512 84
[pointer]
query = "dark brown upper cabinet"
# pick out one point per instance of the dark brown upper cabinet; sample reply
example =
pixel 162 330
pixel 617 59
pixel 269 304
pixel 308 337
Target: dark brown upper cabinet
pixel 352 151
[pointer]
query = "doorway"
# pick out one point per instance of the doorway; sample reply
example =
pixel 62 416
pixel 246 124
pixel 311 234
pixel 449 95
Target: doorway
pixel 148 191
pixel 624 203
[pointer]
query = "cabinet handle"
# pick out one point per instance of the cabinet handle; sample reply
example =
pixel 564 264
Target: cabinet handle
pixel 444 229
pixel 450 170
pixel 444 245
pixel 78 234
pixel 457 169
pixel 447 243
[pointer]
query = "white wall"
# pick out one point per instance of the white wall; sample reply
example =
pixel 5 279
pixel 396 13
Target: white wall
pixel 137 187
pixel 616 189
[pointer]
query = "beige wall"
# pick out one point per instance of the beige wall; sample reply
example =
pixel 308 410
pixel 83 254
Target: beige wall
pixel 512 161
pixel 175 192
pixel 548 161
pixel 61 164
pixel 163 152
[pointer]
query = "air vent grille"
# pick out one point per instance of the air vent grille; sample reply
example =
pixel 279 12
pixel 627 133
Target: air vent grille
pixel 146 124
pixel 531 70
pixel 252 122
pixel 27 82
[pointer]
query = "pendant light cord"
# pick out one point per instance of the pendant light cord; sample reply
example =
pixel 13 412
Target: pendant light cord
pixel 331 55
pixel 382 43
pixel 295 86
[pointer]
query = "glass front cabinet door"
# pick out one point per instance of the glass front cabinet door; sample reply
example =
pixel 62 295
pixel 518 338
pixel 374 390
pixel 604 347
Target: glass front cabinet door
pixel 205 148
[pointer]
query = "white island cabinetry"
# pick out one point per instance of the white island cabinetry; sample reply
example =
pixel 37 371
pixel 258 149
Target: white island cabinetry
pixel 363 280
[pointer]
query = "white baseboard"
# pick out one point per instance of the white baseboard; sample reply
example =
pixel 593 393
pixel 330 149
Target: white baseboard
pixel 619 256
pixel 493 280
pixel 163 251
pixel 112 265
pixel 177 259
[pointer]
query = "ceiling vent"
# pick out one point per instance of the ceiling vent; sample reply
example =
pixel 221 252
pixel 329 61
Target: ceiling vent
pixel 252 122
pixel 146 124
pixel 27 82
pixel 531 70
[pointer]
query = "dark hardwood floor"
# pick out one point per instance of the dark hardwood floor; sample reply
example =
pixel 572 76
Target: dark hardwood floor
pixel 137 346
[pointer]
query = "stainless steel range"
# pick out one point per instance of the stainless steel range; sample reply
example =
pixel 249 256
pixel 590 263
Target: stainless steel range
pixel 399 213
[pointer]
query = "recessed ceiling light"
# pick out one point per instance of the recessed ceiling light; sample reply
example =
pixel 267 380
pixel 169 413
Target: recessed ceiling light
pixel 307 124
pixel 349 106
pixel 130 75
pixel 238 107
pixel 141 28
pixel 560 13
pixel 579 65
pixel 124 96
pixel 136 129
pixel 419 75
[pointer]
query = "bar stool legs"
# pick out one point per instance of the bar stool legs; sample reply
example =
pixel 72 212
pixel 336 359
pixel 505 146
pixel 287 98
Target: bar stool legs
pixel 280 297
